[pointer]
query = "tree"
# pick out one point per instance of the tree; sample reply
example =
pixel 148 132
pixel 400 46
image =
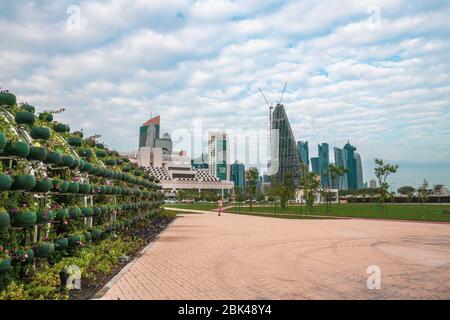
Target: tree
pixel 335 173
pixel 309 183
pixel 423 191
pixel 252 176
pixel 407 191
pixel 382 171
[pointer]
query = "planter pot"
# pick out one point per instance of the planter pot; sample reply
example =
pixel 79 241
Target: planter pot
pixel 75 141
pixel 5 182
pixel 84 188
pixel 74 241
pixel 23 219
pixel 23 182
pixel 3 141
pixel 97 234
pixel 37 153
pixel 67 161
pixel 75 164
pixel 40 133
pixel 97 211
pixel 53 158
pixel 29 108
pixel 26 256
pixel 108 189
pixel 101 153
pixel 5 220
pixel 43 186
pixel 17 148
pixel 7 98
pixel 5 265
pixel 88 236
pixel 44 216
pixel 87 212
pixel 85 152
pixel 65 186
pixel 25 117
pixel 73 187
pixel 88 167
pixel 60 186
pixel 61 244
pixel 62 214
pixel 45 250
pixel 110 162
pixel 75 213
pixel 100 145
pixel 96 171
pixel 46 116
pixel 59 127
pixel 81 164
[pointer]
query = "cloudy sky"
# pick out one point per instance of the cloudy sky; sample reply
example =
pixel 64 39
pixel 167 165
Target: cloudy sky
pixel 374 72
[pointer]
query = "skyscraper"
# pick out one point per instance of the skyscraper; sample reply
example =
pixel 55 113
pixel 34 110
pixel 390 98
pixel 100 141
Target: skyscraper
pixel 340 160
pixel 351 166
pixel 324 161
pixel 149 136
pixel 238 174
pixel 303 152
pixel 315 166
pixel 288 157
pixel 218 155
pixel 359 172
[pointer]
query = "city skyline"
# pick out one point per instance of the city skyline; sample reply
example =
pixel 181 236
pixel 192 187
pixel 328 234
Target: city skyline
pixel 377 76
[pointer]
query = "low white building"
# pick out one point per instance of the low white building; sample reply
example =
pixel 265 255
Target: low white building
pixel 319 196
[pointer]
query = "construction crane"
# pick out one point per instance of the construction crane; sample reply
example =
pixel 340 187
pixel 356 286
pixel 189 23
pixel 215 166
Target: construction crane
pixel 270 114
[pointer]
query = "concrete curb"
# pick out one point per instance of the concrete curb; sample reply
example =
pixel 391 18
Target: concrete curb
pixel 101 293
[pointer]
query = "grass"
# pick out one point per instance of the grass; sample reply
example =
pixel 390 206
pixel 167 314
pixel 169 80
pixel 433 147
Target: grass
pixel 394 211
pixel 192 206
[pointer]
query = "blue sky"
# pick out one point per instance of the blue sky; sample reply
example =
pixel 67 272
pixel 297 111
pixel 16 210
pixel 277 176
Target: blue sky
pixel 376 73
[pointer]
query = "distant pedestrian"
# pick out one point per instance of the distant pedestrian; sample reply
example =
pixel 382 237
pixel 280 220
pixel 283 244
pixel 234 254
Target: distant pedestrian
pixel 219 203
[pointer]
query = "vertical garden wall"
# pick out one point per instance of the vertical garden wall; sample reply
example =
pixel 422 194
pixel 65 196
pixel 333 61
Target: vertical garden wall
pixel 62 193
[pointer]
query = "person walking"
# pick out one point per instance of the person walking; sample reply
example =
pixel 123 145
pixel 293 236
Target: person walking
pixel 219 204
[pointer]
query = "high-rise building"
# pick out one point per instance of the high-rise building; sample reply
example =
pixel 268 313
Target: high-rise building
pixel 315 166
pixel 238 174
pixel 324 161
pixel 149 136
pixel 303 152
pixel 201 162
pixel 373 183
pixel 359 172
pixel 340 160
pixel 218 155
pixel 288 160
pixel 351 166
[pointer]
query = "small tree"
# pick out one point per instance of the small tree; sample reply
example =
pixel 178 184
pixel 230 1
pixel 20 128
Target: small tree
pixel 309 185
pixel 423 191
pixel 382 171
pixel 252 176
pixel 335 173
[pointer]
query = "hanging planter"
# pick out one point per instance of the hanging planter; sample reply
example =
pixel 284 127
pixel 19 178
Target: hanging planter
pixel 46 116
pixel 37 153
pixel 44 216
pixel 5 182
pixel 97 234
pixel 85 152
pixel 7 98
pixel 45 249
pixel 84 188
pixel 61 128
pixel 75 141
pixel 23 182
pixel 101 153
pixel 24 117
pixel 62 214
pixel 28 107
pixel 110 162
pixel 100 145
pixel 97 211
pixel 73 187
pixel 81 164
pixel 42 133
pixel 75 164
pixel 67 161
pixel 3 141
pixel 87 167
pixel 25 255
pixel 22 219
pixel 5 264
pixel 5 220
pixel 17 148
pixel 88 236
pixel 44 185
pixel 61 244
pixel 75 213
pixel 74 241
pixel 53 158
pixel 95 189
pixel 87 212
pixel 60 185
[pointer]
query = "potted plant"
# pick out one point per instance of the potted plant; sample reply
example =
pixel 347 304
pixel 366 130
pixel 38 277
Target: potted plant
pixel 110 162
pixel 61 243
pixel 5 220
pixel 97 211
pixel 97 234
pixel 17 148
pixel 43 185
pixel 75 141
pixel 84 188
pixel 87 212
pixel 61 128
pixel 85 152
pixel 87 167
pixel 24 255
pixel 101 153
pixel 25 117
pixel 46 116
pixel 61 213
pixel 7 98
pixel 44 249
pixel 5 260
pixel 3 141
pixel 23 217
pixel 42 133
pixel 73 187
pixel 75 213
pixel 75 240
pixel 37 153
pixel 44 216
pixel 53 157
pixel 5 182
pixel 23 182
pixel 60 185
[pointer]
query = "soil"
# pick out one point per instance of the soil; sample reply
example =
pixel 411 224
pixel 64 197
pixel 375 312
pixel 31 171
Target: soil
pixel 90 288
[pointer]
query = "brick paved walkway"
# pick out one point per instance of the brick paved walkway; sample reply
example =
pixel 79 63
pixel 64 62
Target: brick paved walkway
pixel 203 256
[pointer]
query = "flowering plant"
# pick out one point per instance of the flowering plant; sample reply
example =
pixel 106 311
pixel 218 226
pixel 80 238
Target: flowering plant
pixel 4 254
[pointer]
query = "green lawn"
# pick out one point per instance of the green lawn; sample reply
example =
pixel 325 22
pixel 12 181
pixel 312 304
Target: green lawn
pixel 394 211
pixel 192 206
